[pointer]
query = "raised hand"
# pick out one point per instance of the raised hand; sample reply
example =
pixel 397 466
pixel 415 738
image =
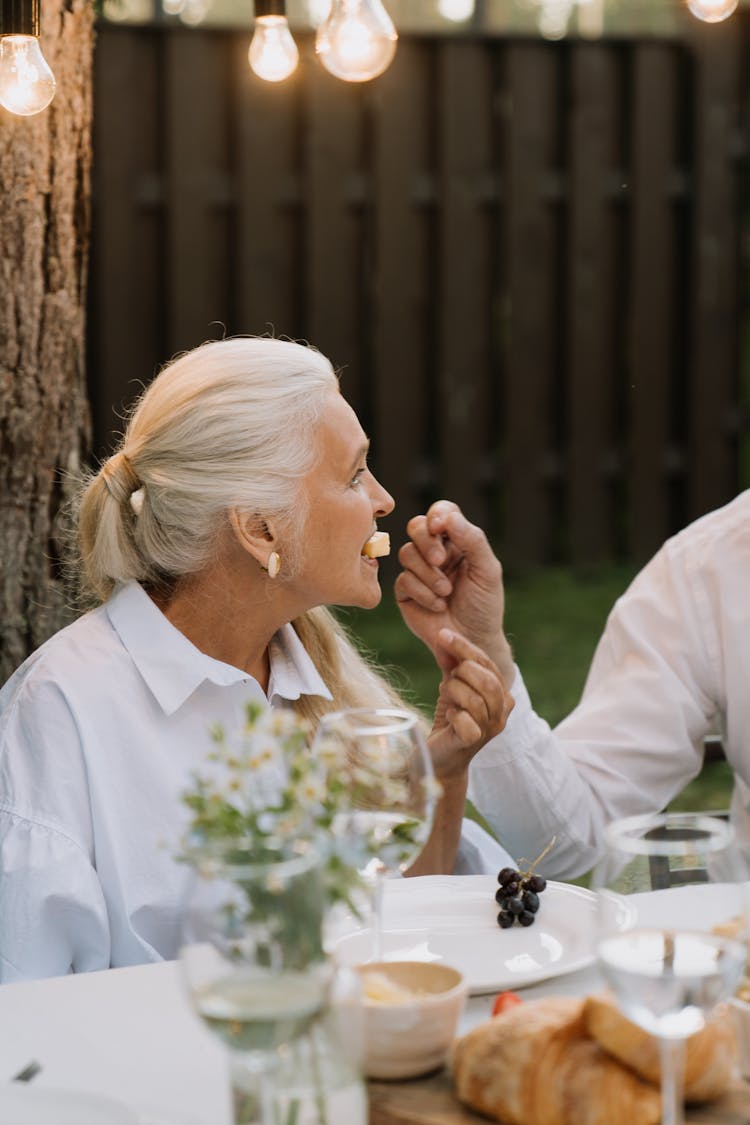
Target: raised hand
pixel 452 579
pixel 473 705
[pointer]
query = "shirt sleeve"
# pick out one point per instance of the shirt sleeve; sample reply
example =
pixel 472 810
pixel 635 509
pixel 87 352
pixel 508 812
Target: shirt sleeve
pixel 53 918
pixel 634 740
pixel 478 853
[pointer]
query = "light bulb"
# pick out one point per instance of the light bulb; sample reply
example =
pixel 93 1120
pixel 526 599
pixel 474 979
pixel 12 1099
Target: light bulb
pixel 712 11
pixel 27 85
pixel 457 11
pixel 273 53
pixel 357 41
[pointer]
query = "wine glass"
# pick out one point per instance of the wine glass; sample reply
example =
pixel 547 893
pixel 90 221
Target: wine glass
pixel 253 961
pixel 665 954
pixel 380 771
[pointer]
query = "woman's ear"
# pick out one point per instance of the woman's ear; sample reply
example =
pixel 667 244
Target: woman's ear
pixel 254 534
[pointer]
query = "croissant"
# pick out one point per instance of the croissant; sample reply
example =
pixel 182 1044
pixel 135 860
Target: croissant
pixel 535 1065
pixel 709 1054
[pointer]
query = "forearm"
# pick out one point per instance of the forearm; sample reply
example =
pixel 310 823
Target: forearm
pixel 529 798
pixel 438 857
pixel 621 752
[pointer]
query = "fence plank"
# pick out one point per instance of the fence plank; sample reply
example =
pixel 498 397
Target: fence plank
pixel 198 187
pixel 268 266
pixel 447 235
pixel 402 407
pixel 714 311
pixel 592 311
pixel 653 413
pixel 465 274
pixel 530 235
pixel 337 195
pixel 126 340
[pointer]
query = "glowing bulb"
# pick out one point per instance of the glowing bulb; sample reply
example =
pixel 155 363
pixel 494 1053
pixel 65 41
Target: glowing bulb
pixel 357 41
pixel 273 53
pixel 27 85
pixel 712 11
pixel 458 11
pixel 193 12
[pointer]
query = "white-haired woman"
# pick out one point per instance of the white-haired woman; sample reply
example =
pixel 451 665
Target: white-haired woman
pixel 235 510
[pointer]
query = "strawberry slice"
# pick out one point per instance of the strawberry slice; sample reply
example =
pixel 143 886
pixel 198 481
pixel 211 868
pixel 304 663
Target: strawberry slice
pixel 504 1001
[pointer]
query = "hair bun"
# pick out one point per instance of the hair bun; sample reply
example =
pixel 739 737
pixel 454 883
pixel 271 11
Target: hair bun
pixel 120 477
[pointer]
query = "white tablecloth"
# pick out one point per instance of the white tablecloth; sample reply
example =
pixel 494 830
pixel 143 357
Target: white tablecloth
pixel 130 1033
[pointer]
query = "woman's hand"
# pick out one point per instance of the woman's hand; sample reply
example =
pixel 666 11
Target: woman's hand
pixel 473 705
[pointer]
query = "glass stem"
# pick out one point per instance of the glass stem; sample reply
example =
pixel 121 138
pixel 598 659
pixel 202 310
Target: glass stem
pixel 377 916
pixel 251 1092
pixel 672 1079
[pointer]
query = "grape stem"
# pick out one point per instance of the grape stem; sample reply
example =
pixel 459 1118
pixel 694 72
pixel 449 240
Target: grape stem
pixel 529 870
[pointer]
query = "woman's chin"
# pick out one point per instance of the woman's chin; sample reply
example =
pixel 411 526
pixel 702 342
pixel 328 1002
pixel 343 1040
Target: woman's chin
pixel 368 599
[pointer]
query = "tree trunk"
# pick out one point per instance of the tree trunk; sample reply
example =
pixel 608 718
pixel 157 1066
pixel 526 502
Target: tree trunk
pixel 44 422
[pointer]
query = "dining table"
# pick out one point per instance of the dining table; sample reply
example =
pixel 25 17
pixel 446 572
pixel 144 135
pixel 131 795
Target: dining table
pixel 130 1034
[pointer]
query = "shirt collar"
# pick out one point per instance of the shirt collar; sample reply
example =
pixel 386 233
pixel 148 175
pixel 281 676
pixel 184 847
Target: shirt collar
pixel 292 670
pixel 173 667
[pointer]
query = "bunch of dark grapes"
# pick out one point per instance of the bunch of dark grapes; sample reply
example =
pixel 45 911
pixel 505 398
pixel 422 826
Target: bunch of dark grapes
pixel 518 896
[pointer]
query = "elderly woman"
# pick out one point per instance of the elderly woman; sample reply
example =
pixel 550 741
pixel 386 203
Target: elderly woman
pixel 236 509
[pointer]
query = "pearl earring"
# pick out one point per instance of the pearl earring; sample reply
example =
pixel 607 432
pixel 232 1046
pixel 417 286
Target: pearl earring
pixel 274 564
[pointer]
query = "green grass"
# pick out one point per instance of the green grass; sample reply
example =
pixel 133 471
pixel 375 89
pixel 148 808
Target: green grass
pixel 553 619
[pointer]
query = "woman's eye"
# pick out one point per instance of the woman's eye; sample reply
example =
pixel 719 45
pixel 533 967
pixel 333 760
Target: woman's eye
pixel 357 478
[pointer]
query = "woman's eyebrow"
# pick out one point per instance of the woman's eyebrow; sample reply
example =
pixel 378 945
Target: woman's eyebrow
pixel 362 452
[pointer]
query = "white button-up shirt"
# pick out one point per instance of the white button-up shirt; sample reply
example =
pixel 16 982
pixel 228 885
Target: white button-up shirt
pixel 672 665
pixel 100 731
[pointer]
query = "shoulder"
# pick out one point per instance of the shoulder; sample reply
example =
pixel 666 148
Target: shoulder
pixel 710 539
pixel 69 664
pixel 713 551
pixel 42 747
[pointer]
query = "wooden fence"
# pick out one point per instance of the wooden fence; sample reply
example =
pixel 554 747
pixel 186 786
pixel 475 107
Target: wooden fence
pixel 527 257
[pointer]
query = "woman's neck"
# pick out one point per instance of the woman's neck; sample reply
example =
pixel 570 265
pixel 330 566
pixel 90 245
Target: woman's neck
pixel 228 619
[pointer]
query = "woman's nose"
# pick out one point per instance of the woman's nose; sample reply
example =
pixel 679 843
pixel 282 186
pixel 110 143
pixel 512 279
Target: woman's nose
pixel 383 502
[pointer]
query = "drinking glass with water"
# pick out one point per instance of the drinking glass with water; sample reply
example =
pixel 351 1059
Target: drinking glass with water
pixel 668 887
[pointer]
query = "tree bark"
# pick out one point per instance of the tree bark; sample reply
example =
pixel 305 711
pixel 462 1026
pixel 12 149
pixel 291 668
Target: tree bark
pixel 45 165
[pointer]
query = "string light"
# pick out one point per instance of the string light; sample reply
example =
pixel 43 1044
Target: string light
pixel 357 41
pixel 27 85
pixel 457 11
pixel 273 54
pixel 712 11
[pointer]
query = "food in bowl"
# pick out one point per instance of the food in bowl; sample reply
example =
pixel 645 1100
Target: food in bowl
pixel 379 988
pixel 410 1016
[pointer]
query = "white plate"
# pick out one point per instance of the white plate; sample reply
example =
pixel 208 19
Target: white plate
pixel 32 1105
pixel 454 919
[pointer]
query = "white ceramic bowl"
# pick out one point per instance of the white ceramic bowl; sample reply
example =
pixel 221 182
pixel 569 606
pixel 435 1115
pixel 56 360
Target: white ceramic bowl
pixel 412 1035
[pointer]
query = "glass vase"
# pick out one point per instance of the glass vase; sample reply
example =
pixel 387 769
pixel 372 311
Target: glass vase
pixel 253 959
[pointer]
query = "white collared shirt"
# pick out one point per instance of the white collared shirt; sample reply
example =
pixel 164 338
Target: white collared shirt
pixel 672 666
pixel 100 731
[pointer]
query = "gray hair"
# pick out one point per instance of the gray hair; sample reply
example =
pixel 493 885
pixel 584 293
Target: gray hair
pixel 224 426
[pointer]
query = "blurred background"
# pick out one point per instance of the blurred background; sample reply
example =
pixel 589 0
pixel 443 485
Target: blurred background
pixel 525 245
pixel 527 255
